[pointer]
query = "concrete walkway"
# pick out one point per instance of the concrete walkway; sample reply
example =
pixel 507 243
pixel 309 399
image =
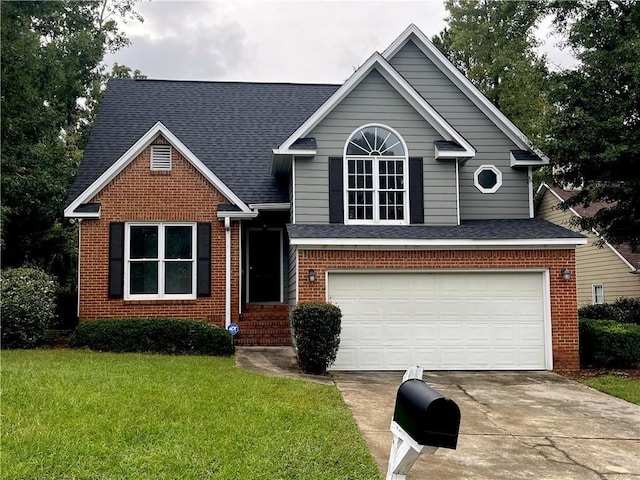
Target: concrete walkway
pixel 524 425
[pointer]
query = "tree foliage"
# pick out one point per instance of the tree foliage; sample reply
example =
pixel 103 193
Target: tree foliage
pixel 492 42
pixel 51 70
pixel 595 135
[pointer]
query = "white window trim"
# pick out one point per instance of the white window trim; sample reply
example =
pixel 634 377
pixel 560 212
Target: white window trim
pixel 495 170
pixel 593 293
pixel 161 262
pixel 376 179
pixel 162 167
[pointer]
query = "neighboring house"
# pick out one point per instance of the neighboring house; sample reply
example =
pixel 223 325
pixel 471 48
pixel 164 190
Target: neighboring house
pixel 604 272
pixel 403 196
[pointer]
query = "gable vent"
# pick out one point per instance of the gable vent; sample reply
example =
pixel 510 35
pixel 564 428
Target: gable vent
pixel 160 157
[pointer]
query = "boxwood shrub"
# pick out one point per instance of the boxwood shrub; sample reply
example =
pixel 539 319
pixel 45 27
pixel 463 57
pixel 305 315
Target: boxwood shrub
pixel 607 343
pixel 156 335
pixel 28 306
pixel 316 328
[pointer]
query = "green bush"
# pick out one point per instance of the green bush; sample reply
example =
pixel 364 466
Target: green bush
pixel 316 328
pixel 28 306
pixel 156 335
pixel 607 343
pixel 625 310
pixel 602 311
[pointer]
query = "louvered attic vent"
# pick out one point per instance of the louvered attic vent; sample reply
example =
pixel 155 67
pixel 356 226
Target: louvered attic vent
pixel 160 157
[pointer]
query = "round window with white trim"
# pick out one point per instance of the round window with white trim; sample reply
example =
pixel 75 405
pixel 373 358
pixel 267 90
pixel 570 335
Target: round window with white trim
pixel 487 179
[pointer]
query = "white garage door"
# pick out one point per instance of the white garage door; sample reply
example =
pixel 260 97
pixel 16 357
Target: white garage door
pixel 440 321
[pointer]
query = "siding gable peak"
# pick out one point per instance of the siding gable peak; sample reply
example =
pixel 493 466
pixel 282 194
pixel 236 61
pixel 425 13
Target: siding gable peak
pixel 399 83
pixel 420 40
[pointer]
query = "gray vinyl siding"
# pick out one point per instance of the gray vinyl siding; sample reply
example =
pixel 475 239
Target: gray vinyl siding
pixel 492 145
pixel 293 278
pixel 374 100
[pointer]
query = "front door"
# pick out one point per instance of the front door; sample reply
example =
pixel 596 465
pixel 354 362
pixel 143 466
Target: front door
pixel 264 259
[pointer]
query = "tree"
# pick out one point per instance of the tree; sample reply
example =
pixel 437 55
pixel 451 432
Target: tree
pixel 492 42
pixel 595 135
pixel 51 56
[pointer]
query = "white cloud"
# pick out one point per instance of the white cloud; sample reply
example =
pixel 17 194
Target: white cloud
pixel 310 41
pixel 283 41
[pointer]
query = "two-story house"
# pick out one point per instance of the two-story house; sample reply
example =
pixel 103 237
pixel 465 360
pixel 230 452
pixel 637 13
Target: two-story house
pixel 403 196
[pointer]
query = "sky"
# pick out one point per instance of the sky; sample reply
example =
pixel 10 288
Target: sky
pixel 302 41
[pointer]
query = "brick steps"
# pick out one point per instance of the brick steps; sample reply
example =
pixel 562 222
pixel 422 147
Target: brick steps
pixel 264 325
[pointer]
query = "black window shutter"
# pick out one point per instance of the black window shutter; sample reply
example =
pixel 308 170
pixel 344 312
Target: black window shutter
pixel 203 282
pixel 116 259
pixel 416 190
pixel 336 191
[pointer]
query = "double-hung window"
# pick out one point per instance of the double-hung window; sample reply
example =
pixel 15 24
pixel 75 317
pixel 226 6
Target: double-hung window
pixel 598 293
pixel 376 177
pixel 160 261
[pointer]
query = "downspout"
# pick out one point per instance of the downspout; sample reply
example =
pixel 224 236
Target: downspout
pixel 78 267
pixel 227 260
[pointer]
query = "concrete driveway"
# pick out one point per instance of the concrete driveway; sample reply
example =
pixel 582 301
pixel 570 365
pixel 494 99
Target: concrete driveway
pixel 528 425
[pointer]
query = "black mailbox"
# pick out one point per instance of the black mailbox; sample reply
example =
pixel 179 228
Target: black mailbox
pixel 426 415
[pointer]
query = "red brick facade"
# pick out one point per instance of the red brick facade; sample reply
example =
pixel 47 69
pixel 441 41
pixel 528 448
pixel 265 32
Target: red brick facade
pixel 564 316
pixel 139 194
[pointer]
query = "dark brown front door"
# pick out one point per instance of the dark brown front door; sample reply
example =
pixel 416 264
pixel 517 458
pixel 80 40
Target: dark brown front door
pixel 265 265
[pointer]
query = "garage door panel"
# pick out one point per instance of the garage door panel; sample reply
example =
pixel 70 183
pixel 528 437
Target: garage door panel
pixel 457 320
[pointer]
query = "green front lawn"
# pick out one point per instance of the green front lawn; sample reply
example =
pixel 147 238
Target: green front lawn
pixel 77 414
pixel 625 388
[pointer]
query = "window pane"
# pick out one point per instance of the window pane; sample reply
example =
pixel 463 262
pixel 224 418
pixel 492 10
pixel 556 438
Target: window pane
pixel 177 242
pixel 487 179
pixel 143 242
pixel 143 278
pixel 178 277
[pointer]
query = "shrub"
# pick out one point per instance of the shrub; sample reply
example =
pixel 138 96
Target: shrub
pixel 28 306
pixel 156 335
pixel 603 311
pixel 625 310
pixel 607 343
pixel 316 328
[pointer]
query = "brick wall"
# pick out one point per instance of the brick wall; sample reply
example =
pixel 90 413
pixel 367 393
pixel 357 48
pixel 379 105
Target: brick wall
pixel 564 315
pixel 138 194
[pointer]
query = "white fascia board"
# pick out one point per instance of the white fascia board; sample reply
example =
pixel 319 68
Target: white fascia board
pixel 270 206
pixel 520 163
pixel 135 150
pixel 237 215
pixel 461 243
pixel 297 153
pixel 377 62
pixel 83 214
pixel 463 83
pixel 453 154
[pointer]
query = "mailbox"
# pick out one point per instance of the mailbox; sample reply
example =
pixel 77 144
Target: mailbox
pixel 426 415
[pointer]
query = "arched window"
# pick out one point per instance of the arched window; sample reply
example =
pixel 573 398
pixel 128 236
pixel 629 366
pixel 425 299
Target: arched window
pixel 375 176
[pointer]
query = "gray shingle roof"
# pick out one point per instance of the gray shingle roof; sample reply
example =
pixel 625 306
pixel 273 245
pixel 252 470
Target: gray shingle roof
pixel 231 127
pixel 448 146
pixel 512 229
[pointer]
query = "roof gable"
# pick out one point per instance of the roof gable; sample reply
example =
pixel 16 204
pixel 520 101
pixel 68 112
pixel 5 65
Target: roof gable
pixel 632 260
pixel 413 34
pixel 231 127
pixel 378 63
pixel 125 159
